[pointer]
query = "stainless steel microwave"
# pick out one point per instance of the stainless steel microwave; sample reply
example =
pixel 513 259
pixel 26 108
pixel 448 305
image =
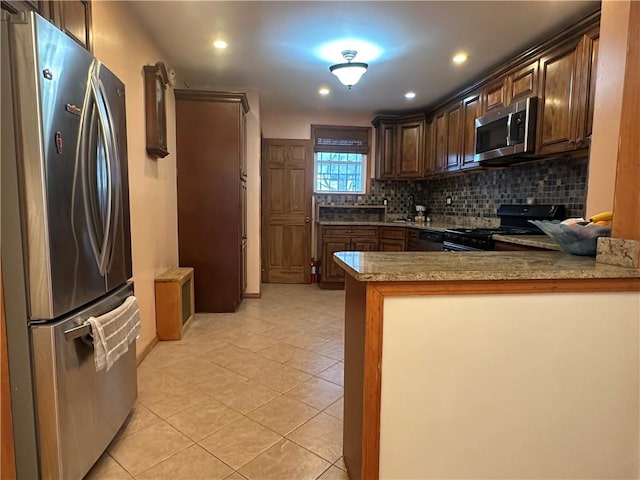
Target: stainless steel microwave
pixel 506 132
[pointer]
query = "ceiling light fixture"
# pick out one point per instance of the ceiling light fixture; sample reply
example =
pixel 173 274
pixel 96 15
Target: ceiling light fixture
pixel 460 58
pixel 410 95
pixel 324 91
pixel 220 44
pixel 349 73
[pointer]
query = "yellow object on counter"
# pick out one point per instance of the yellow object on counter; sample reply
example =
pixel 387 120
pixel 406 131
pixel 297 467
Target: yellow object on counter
pixel 604 216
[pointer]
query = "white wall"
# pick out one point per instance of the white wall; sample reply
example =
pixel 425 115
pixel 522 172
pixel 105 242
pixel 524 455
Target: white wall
pixel 510 386
pixel 123 47
pixel 298 125
pixel 612 55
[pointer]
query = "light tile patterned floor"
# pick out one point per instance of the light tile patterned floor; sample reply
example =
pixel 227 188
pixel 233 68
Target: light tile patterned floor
pixel 252 395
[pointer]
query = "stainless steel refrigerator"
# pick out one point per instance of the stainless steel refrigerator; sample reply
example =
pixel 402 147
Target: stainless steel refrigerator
pixel 64 179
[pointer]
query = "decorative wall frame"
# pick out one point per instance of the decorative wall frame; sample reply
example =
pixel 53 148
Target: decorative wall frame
pixel 156 80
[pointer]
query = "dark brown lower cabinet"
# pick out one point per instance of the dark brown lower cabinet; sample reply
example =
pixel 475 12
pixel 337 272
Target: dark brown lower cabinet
pixel 391 245
pixel 358 238
pixel 332 239
pixel 211 220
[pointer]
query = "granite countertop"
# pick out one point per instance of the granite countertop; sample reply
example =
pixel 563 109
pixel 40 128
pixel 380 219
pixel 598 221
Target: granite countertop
pixel 435 226
pixel 538 241
pixel 438 266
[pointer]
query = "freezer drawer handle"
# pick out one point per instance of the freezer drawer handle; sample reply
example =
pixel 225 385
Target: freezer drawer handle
pixel 77 332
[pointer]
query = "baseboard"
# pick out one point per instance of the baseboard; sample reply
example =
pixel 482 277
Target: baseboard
pixel 147 350
pixel 252 295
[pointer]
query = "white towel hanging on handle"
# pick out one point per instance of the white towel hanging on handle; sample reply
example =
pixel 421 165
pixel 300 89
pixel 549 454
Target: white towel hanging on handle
pixel 114 331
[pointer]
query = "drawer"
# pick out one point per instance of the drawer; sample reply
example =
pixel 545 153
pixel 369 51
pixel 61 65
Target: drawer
pixel 412 235
pixel 349 232
pixel 393 233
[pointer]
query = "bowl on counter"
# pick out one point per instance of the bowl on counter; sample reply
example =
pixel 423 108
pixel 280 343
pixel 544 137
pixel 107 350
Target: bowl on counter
pixel 575 239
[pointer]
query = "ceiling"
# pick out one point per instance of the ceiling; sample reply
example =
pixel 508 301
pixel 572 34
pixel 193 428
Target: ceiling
pixel 277 47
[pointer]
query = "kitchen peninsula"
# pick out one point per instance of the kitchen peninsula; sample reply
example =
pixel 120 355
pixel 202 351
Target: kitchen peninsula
pixel 490 365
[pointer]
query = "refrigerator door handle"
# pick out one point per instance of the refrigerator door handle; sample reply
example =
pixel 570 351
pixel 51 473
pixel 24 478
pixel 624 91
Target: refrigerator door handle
pixel 77 332
pixel 85 144
pixel 106 136
pixel 114 168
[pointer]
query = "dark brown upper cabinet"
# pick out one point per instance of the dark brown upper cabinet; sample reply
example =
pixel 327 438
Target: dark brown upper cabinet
pixel 559 88
pixel 470 110
pixel 440 141
pixel 589 56
pixel 560 71
pixel 71 16
pixel 430 166
pixel 495 94
pixel 454 137
pixel 385 147
pixel 523 83
pixel 74 18
pixel 450 144
pixel 410 137
pixel 567 91
pixel 400 146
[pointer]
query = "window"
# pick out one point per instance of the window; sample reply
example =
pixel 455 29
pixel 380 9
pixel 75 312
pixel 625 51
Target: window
pixel 340 157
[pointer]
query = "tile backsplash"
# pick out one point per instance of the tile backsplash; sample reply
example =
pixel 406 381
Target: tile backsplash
pixel 395 191
pixel 554 181
pixel 479 194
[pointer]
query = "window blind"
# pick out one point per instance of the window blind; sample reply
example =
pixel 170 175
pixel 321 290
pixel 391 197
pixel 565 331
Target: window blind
pixel 340 139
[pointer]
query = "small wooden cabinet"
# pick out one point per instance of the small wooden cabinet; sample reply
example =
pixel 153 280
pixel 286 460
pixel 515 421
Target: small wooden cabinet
pixel 174 303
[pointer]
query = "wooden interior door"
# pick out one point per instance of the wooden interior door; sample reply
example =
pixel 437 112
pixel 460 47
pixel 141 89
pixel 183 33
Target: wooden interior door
pixel 287 175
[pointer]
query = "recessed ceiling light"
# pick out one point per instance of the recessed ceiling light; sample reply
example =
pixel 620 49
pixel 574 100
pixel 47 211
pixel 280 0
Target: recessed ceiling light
pixel 410 95
pixel 220 44
pixel 460 58
pixel 324 91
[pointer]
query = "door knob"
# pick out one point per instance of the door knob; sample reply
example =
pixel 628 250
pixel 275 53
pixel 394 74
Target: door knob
pixel 307 219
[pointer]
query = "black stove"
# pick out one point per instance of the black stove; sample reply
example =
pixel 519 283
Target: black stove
pixel 514 220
